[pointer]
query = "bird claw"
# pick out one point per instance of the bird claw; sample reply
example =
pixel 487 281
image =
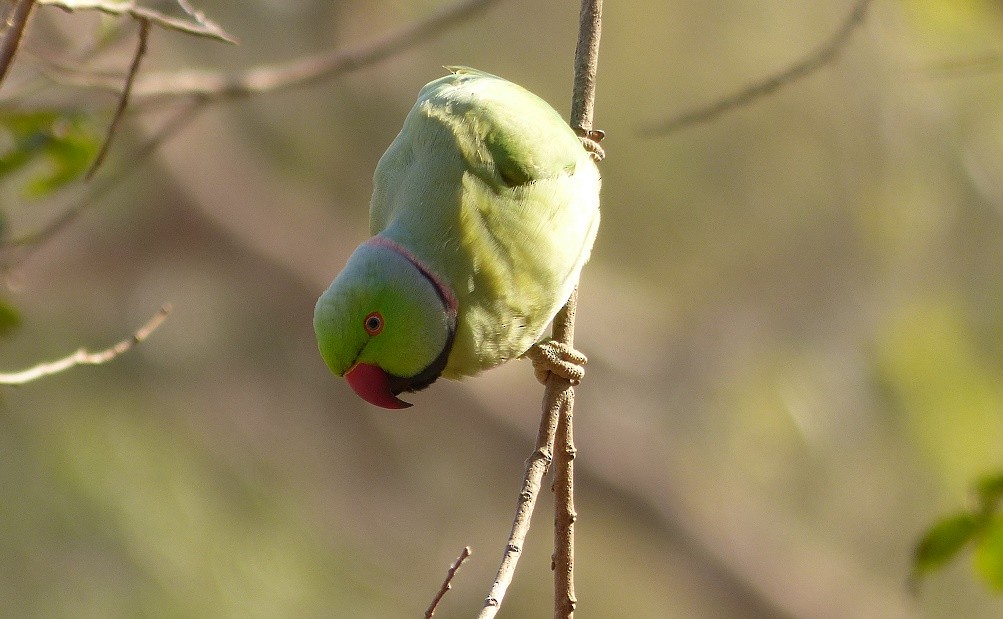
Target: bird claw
pixel 551 356
pixel 590 139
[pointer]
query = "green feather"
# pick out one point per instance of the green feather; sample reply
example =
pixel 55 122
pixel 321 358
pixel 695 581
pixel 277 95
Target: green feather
pixel 492 191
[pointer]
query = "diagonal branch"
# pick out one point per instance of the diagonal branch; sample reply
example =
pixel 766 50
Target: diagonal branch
pixel 448 583
pixel 824 55
pixel 559 396
pixel 16 22
pixel 304 70
pixel 199 26
pixel 123 101
pixel 83 357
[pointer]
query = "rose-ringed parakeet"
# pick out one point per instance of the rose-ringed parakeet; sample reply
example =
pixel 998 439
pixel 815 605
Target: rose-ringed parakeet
pixel 484 211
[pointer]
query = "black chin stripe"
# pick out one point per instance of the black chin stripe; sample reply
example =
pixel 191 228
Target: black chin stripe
pixel 430 374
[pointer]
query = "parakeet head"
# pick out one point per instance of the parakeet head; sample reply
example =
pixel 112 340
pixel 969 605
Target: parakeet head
pixel 386 323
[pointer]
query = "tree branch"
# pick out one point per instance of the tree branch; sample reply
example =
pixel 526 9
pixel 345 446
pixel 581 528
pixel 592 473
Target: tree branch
pixel 12 37
pixel 824 55
pixel 123 101
pixel 203 88
pixel 559 396
pixel 304 70
pixel 447 584
pixel 83 357
pixel 536 467
pixel 199 26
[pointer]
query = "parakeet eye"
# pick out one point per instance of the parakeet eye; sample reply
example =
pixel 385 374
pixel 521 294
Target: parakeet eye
pixel 373 323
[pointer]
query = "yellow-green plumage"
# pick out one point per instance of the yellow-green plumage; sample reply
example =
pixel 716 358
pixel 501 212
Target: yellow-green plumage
pixel 491 192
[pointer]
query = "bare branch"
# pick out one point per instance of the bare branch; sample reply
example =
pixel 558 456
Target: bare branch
pixel 559 401
pixel 447 584
pixel 559 395
pixel 200 26
pixel 203 88
pixel 304 70
pixel 12 37
pixel 565 516
pixel 123 101
pixel 536 467
pixel 824 55
pixel 586 64
pixel 196 14
pixel 83 357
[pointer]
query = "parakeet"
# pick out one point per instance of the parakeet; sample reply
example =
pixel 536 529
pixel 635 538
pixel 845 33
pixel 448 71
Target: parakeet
pixel 484 210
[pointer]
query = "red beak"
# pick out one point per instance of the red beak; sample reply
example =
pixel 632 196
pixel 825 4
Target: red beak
pixel 372 384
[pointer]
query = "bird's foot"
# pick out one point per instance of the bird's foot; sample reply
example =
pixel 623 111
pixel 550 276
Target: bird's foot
pixel 551 356
pixel 590 139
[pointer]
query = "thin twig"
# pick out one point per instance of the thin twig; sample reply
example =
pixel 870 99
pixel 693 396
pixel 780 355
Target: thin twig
pixel 559 400
pixel 83 357
pixel 123 101
pixel 205 88
pixel 586 64
pixel 565 515
pixel 196 14
pixel 200 26
pixel 824 55
pixel 304 70
pixel 12 37
pixel 559 393
pixel 559 396
pixel 448 583
pixel 536 467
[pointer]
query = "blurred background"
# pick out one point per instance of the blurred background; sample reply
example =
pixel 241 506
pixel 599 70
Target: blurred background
pixel 793 314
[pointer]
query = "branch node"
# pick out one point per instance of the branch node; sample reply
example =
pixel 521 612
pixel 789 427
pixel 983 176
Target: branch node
pixel 448 583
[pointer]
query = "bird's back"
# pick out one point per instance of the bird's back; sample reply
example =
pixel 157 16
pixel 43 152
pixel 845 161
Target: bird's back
pixel 488 186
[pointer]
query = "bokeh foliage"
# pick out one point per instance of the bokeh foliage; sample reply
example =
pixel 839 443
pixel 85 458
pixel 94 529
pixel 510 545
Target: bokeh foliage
pixel 794 317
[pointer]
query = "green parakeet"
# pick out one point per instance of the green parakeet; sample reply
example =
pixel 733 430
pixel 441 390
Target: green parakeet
pixel 484 211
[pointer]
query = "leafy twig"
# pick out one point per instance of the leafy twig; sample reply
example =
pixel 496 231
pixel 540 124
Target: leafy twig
pixel 824 55
pixel 123 101
pixel 12 37
pixel 200 26
pixel 83 357
pixel 448 583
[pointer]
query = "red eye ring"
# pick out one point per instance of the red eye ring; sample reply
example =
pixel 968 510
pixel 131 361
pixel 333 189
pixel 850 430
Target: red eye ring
pixel 373 323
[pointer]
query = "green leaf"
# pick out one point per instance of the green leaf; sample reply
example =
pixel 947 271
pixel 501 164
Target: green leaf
pixel 990 491
pixel 52 148
pixel 943 542
pixel 10 318
pixel 989 555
